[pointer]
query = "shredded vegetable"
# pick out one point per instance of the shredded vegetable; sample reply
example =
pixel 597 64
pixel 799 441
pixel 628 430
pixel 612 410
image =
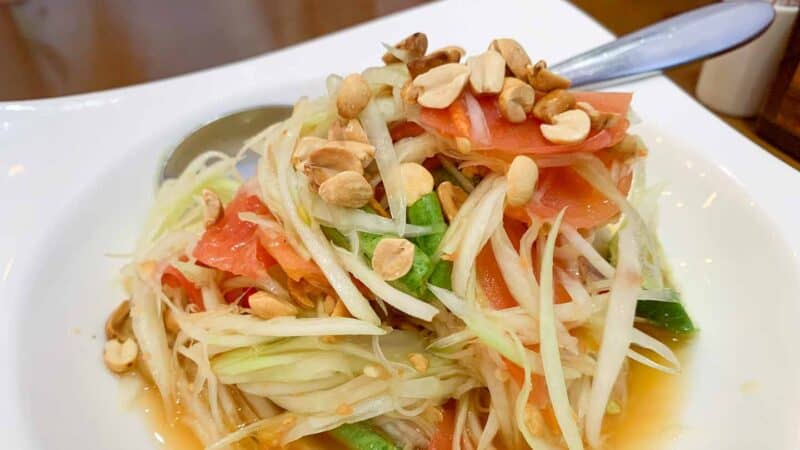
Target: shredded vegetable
pixel 551 359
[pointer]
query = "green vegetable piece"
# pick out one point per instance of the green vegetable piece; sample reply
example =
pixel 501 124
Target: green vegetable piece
pixel 427 211
pixel 361 436
pixel 336 237
pixel 416 280
pixel 368 242
pixel 441 175
pixel 668 315
pixel 440 277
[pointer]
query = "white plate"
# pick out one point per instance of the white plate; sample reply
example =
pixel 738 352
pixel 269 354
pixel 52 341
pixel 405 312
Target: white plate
pixel 77 175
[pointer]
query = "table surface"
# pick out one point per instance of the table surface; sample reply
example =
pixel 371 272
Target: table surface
pixel 62 47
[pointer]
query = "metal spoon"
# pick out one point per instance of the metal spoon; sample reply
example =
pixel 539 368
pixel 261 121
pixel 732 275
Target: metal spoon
pixel 684 38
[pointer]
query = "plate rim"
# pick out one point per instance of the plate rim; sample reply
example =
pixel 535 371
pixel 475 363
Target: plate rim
pixel 746 163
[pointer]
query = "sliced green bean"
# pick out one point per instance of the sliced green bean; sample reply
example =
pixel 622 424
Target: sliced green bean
pixel 415 281
pixel 336 237
pixel 440 277
pixel 427 211
pixel 361 436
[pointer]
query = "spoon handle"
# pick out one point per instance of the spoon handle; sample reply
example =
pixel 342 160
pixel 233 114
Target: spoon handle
pixel 696 34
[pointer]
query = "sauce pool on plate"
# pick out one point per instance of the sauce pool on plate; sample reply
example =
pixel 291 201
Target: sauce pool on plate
pixel 650 419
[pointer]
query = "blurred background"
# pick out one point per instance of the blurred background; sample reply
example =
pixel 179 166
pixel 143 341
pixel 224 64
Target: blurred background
pixel 52 48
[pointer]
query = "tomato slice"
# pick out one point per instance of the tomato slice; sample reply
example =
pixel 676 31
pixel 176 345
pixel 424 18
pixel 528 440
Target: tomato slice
pixel 295 266
pixel 442 438
pixel 489 275
pixel 242 248
pixel 174 278
pixel 491 280
pixel 539 396
pixel 241 295
pixel 231 244
pixel 562 187
pixel 404 129
pixel 525 137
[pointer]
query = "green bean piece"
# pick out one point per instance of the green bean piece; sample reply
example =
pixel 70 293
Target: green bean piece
pixel 415 281
pixel 361 436
pixel 671 316
pixel 336 237
pixel 441 175
pixel 440 277
pixel 427 211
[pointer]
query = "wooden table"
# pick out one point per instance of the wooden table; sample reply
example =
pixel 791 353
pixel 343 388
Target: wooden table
pixel 51 48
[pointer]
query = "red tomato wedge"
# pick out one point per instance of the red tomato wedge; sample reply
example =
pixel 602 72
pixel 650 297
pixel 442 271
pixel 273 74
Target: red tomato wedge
pixel 491 280
pixel 405 129
pixel 489 275
pixel 442 438
pixel 241 295
pixel 174 278
pixel 295 266
pixel 525 137
pixel 231 244
pixel 539 396
pixel 562 187
pixel 242 248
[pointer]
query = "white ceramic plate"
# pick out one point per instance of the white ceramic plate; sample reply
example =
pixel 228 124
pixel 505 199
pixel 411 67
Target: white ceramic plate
pixel 77 175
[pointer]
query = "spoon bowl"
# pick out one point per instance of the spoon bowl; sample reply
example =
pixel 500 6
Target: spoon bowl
pixel 225 134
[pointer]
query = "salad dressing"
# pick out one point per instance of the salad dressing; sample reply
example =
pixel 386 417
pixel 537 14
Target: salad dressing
pixel 173 434
pixel 648 420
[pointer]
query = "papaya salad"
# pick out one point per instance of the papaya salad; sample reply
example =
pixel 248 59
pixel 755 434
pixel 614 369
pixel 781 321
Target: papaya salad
pixel 440 253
